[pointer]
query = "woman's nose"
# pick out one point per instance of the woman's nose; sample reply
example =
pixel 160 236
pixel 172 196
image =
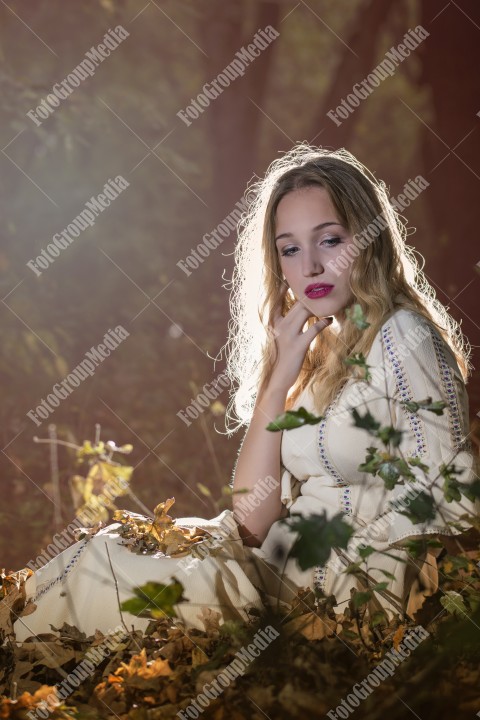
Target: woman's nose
pixel 311 264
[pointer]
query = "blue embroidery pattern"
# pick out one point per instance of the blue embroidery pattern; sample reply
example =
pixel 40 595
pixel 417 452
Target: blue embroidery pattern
pixel 345 500
pixel 66 571
pixel 319 577
pixel 320 571
pixel 448 383
pixel 404 390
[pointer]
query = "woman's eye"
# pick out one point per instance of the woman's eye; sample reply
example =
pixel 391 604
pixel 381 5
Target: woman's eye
pixel 287 252
pixel 327 242
pixel 333 241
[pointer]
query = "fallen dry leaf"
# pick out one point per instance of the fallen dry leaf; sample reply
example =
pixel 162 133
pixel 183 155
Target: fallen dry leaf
pixel 161 534
pixel 27 702
pixel 199 657
pixel 12 599
pixel 211 620
pixel 311 626
pixel 398 636
pixel 140 666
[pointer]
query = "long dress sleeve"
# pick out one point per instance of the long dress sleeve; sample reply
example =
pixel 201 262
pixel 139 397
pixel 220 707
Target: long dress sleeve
pixel 419 365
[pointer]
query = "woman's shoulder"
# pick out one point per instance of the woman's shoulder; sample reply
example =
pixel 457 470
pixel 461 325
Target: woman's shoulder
pixel 404 319
pixel 401 327
pixel 410 327
pixel 408 333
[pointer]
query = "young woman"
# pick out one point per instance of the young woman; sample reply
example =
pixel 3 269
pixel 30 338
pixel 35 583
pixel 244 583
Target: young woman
pixel 322 275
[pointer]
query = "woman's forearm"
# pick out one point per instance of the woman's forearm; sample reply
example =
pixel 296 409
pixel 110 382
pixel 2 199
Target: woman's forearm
pixel 259 457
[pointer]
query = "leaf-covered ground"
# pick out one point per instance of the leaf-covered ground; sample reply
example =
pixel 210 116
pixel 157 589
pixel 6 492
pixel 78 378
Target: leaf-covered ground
pixel 306 671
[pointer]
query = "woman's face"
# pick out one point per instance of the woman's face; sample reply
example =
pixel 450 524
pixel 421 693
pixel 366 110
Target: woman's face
pixel 309 237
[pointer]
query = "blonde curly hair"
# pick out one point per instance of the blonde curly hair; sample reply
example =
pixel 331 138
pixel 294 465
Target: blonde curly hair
pixel 385 276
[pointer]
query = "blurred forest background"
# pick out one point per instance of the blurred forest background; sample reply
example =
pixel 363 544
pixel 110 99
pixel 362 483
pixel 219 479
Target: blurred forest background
pixel 183 182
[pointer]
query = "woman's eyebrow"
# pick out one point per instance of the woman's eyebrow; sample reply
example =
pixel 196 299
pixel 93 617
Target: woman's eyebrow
pixel 317 227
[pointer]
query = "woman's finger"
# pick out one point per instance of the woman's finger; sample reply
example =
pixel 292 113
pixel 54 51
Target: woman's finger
pixel 317 328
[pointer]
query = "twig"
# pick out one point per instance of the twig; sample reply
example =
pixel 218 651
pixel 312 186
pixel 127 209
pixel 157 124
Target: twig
pixel 116 590
pixel 357 623
pixel 210 447
pixel 57 442
pixel 57 517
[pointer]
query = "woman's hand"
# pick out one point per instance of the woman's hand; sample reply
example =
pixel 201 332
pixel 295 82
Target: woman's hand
pixel 291 343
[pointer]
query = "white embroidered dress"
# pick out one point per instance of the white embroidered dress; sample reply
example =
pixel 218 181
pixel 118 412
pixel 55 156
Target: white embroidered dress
pixel 409 361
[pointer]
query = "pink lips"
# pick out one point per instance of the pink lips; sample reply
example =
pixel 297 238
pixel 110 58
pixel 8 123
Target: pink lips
pixel 318 290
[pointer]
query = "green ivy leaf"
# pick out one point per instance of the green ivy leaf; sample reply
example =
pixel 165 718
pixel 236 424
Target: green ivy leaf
pixel 387 574
pixel 389 473
pixel 453 603
pixel 471 490
pixel 416 462
pixel 449 471
pixel 293 419
pixel 316 537
pixel 404 469
pixel 372 462
pixel 414 547
pixel 361 598
pixel 436 407
pixel 451 486
pixel 379 618
pixel 451 491
pixel 371 466
pixel 380 586
pixel 366 422
pixel 473 598
pixel 154 600
pixel 356 316
pixel 389 434
pixel 421 509
pixel 366 551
